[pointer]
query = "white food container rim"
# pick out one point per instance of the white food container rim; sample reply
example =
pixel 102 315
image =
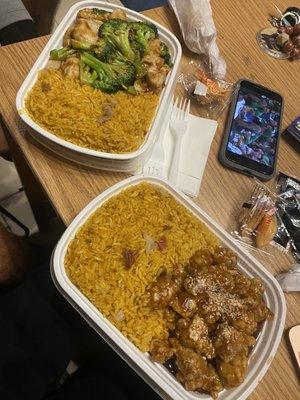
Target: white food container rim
pixel 44 57
pixel 154 374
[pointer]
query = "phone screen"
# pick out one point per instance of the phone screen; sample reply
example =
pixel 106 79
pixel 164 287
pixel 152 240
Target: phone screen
pixel 254 130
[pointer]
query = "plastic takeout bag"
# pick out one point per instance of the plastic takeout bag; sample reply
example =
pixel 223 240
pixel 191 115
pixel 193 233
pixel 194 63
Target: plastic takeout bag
pixel 199 31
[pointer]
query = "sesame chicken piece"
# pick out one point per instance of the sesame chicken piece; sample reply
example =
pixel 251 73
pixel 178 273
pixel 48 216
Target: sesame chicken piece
pixel 232 373
pixel 225 256
pixel 194 335
pixel 184 304
pixel 162 291
pixel 194 372
pixel 230 343
pixel 161 351
pixel 200 259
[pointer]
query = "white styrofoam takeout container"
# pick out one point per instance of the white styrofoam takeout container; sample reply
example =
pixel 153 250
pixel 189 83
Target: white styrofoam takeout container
pixel 155 374
pixel 127 162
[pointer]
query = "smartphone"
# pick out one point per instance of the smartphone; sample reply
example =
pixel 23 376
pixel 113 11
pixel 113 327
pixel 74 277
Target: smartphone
pixel 251 138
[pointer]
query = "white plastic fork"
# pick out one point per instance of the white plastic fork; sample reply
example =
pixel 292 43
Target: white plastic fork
pixel 178 126
pixel 156 165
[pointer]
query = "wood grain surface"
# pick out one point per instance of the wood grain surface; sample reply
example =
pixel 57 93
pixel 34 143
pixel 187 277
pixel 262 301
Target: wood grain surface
pixel 70 187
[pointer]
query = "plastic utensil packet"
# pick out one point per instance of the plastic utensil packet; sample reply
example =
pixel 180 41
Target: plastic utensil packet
pixel 268 217
pixel 212 94
pixel 199 31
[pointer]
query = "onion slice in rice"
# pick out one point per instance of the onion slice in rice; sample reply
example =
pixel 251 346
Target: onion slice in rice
pixel 119 315
pixel 150 243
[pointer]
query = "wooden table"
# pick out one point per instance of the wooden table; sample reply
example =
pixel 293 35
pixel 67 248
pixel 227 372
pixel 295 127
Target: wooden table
pixel 70 187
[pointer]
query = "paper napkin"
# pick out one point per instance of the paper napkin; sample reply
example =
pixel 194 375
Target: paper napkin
pixel 194 151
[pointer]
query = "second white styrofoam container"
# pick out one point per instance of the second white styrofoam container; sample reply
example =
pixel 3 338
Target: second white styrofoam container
pixel 127 162
pixel 156 375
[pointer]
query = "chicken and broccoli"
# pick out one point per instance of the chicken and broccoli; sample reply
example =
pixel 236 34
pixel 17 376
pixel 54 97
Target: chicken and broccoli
pixel 106 51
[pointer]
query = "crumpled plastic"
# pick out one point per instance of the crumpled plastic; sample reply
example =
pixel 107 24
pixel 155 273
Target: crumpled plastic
pixel 199 31
pixel 290 281
pixel 288 213
pixel 271 217
pixel 211 94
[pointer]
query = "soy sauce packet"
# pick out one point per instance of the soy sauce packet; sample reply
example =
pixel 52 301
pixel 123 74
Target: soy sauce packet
pixel 288 213
pixel 257 220
pixel 271 217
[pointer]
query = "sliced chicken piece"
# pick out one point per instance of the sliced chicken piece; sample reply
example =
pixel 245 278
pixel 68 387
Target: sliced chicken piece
pixel 155 80
pixel 85 30
pixel 101 15
pixel 93 13
pixel 156 71
pixel 67 36
pixel 153 60
pixel 94 25
pixel 70 67
pixel 155 47
pixel 118 14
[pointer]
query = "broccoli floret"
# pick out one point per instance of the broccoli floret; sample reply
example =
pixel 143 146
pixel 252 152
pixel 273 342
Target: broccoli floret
pixel 99 11
pixel 140 70
pixel 143 32
pixel 118 74
pixel 136 46
pixel 165 54
pixel 61 54
pixel 105 85
pixel 86 76
pixel 104 50
pixel 131 90
pixel 116 31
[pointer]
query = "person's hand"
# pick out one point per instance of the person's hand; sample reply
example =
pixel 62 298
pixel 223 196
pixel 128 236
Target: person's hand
pixel 42 13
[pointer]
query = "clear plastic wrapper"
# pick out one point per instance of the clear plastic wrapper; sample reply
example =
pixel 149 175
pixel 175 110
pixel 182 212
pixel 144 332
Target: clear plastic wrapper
pixel 212 94
pixel 290 281
pixel 257 222
pixel 268 217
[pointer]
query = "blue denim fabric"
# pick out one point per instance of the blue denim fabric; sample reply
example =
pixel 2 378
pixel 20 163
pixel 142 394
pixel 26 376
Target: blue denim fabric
pixel 140 5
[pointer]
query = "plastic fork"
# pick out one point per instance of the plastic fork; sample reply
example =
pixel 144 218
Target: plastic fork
pixel 156 165
pixel 178 127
